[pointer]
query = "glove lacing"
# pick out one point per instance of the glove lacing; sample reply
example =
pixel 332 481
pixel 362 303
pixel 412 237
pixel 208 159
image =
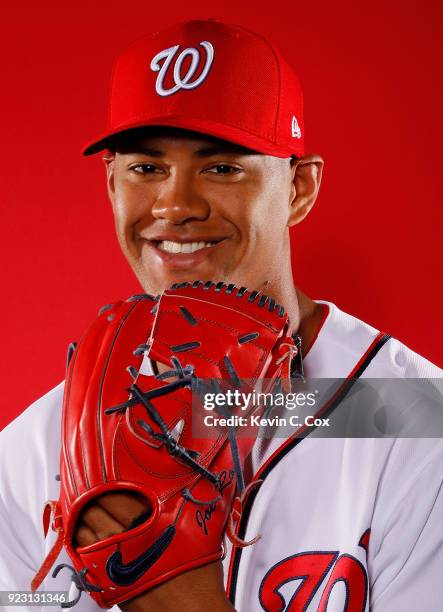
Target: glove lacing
pixel 185 377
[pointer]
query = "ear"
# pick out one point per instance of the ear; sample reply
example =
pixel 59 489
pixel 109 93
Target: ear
pixel 109 159
pixel 307 172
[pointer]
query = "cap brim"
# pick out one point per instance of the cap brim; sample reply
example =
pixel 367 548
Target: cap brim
pixel 210 128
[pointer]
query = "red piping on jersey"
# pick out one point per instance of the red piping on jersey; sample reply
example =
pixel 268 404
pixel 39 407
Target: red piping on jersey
pixel 258 476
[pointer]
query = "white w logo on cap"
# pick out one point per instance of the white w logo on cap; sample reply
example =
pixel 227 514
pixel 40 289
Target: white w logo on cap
pixel 181 82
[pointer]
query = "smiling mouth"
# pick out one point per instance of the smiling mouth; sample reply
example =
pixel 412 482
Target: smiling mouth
pixel 169 246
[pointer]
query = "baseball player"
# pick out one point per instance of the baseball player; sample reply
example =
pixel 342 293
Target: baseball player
pixel 206 173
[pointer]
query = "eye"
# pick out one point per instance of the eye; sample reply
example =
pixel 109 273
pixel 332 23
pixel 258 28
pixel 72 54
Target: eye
pixel 144 168
pixel 223 169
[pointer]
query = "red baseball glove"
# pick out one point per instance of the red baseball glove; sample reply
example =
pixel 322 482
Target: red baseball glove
pixel 125 430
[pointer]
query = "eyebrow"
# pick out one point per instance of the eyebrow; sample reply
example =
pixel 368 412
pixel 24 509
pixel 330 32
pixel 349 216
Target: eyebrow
pixel 148 151
pixel 201 153
pixel 223 149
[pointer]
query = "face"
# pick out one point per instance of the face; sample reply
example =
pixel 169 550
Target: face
pixel 188 207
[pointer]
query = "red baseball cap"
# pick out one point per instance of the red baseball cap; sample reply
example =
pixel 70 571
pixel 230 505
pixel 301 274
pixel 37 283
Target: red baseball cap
pixel 209 77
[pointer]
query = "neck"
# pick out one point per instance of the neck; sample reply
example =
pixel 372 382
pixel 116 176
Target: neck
pixel 305 315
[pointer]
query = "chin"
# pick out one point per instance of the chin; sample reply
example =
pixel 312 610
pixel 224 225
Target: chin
pixel 158 286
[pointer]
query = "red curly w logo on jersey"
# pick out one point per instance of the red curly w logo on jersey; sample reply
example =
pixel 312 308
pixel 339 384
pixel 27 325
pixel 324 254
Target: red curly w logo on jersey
pixel 319 572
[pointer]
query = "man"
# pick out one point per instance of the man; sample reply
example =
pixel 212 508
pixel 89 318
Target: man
pixel 206 174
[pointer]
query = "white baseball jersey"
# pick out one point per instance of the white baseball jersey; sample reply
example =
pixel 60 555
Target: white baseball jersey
pixel 346 525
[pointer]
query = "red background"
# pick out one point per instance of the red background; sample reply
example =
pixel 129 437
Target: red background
pixel 372 75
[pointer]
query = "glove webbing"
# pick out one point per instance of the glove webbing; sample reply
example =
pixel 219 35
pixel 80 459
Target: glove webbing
pixel 185 377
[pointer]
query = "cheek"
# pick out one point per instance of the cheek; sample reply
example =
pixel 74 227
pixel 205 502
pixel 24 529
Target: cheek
pixel 261 220
pixel 130 207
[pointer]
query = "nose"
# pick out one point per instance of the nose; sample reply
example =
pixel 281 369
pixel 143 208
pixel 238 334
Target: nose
pixel 178 201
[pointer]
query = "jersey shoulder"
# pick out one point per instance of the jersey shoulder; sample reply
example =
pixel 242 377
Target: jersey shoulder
pixel 37 430
pixel 38 419
pixel 344 339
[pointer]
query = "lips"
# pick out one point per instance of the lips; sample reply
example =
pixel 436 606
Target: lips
pixel 183 254
pixel 170 246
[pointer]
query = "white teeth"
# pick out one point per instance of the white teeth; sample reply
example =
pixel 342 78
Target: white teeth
pixel 182 247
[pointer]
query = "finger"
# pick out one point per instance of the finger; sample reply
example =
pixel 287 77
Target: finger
pixel 100 522
pixel 124 507
pixel 84 536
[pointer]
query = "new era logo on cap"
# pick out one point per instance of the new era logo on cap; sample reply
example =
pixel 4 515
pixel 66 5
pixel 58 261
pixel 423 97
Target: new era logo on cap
pixel 295 128
pixel 209 77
